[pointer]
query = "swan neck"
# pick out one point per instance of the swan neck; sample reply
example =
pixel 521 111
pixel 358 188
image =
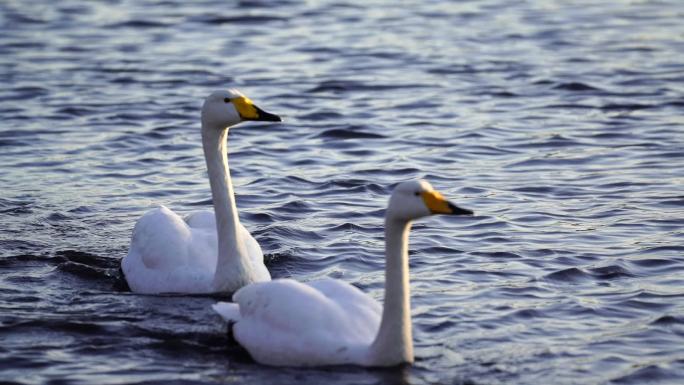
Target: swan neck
pixel 231 265
pixel 393 344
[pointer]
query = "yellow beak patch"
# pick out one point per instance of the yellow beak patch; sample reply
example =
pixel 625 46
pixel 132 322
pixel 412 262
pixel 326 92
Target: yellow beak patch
pixel 245 108
pixel 436 202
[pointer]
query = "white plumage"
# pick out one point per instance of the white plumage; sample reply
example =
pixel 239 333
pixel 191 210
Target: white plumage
pixel 329 322
pixel 171 255
pixel 290 323
pixel 208 251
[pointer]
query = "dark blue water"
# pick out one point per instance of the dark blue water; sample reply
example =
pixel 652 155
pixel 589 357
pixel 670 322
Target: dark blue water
pixel 560 123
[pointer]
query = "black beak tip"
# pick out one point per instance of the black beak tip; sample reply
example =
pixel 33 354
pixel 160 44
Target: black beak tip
pixel 270 118
pixel 455 210
pixel 267 116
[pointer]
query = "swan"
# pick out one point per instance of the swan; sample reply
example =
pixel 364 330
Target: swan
pixel 207 252
pixel 329 322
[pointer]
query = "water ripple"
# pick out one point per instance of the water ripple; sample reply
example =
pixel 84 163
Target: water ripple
pixel 560 127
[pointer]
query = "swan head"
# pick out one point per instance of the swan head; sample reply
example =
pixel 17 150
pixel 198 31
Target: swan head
pixel 417 199
pixel 223 109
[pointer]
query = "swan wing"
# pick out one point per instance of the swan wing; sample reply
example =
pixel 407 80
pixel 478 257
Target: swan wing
pixel 203 219
pixel 285 322
pixel 160 240
pixel 363 313
pixel 168 256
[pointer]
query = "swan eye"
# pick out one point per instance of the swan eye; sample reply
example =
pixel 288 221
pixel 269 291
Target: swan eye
pixel 417 193
pixel 227 100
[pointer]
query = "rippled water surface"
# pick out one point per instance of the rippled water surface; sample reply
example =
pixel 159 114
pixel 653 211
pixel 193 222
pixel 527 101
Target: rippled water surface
pixel 560 123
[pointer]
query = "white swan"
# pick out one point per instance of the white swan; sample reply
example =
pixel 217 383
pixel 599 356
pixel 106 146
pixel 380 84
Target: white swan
pixel 329 322
pixel 171 255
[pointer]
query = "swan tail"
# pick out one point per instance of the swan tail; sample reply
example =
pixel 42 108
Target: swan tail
pixel 230 312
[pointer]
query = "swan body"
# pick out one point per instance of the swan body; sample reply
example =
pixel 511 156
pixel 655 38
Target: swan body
pixel 208 251
pixel 288 323
pixel 329 322
pixel 169 254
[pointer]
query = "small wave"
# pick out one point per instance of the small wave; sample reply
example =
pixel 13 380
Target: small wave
pixel 436 326
pixel 353 183
pixel 258 217
pixel 604 273
pixel 81 210
pixel 503 94
pixel 13 206
pixel 644 305
pixel 650 374
pixel 138 24
pixel 653 262
pixel 498 254
pixel 527 314
pixel 663 249
pixel 675 103
pixel 575 86
pixel 58 217
pixel 76 111
pixel 321 115
pixel 240 19
pixel 542 190
pixel 24 93
pixel 555 141
pixel 668 320
pixel 293 233
pixel 610 272
pixel 575 106
pixel 351 132
pixel 16 143
pixel 296 206
pixel 571 274
pixel 625 107
pixel 348 226
pixel 673 202
pixel 339 86
pixel 549 162
pixel 60 325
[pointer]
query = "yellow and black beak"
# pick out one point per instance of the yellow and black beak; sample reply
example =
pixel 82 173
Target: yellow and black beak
pixel 248 111
pixel 437 204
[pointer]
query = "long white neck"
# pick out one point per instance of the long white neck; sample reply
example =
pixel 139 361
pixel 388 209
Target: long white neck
pixel 394 343
pixel 232 265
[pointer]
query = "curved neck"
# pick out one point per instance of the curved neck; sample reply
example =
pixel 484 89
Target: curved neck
pixel 232 267
pixel 394 343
